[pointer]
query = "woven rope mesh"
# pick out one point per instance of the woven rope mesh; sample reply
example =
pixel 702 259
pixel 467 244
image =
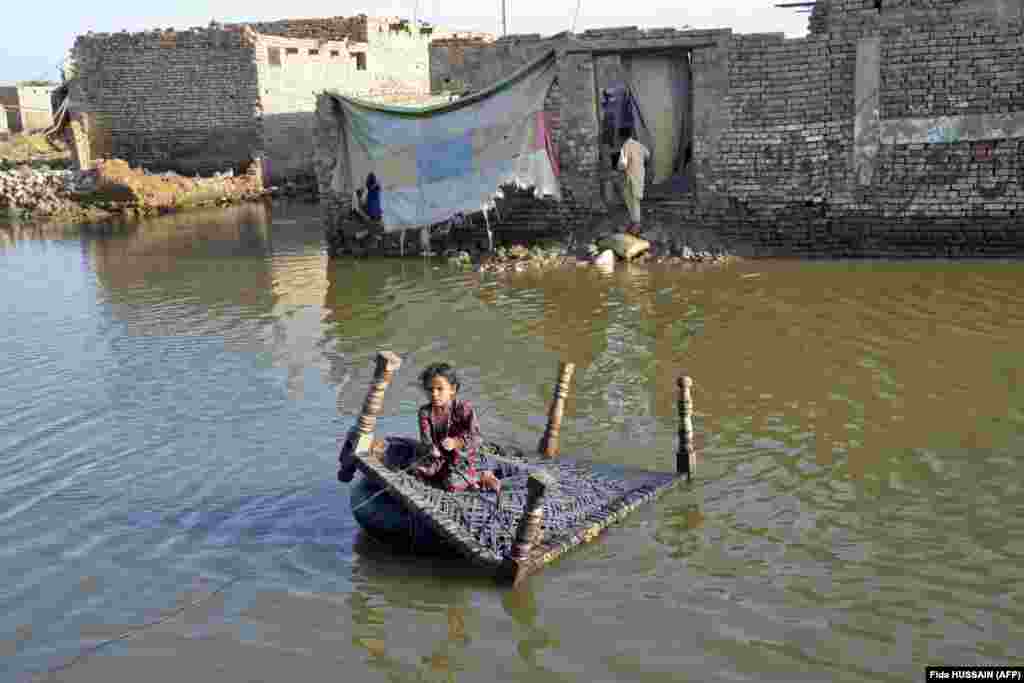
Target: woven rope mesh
pixel 581 494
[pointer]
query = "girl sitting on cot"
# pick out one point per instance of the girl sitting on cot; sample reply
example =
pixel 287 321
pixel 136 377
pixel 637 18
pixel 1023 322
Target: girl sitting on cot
pixel 450 433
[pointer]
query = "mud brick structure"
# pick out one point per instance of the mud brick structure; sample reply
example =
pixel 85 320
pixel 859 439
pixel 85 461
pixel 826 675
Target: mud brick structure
pixel 25 107
pixel 894 128
pixel 209 98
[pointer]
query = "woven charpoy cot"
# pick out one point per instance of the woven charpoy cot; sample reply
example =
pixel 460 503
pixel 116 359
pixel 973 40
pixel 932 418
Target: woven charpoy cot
pixel 546 506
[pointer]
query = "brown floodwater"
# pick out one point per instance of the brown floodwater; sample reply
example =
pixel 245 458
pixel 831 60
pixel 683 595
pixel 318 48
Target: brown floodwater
pixel 173 393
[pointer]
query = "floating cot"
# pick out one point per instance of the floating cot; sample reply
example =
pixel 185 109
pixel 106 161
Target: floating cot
pixel 546 506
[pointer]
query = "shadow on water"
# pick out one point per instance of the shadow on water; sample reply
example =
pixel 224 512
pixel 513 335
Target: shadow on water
pixel 386 582
pixel 317 516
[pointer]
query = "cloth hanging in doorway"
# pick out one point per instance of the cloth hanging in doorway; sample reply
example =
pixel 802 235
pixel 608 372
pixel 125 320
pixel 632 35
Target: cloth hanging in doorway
pixel 433 163
pixel 659 86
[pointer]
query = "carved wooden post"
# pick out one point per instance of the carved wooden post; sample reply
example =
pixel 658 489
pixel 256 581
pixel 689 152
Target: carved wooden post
pixel 361 436
pixel 529 530
pixel 548 446
pixel 686 459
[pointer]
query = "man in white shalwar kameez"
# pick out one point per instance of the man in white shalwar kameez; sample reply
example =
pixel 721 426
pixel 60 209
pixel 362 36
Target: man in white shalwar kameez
pixel 631 160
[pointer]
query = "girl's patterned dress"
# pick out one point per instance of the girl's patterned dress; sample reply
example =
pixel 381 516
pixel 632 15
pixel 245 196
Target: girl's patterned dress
pixel 454 470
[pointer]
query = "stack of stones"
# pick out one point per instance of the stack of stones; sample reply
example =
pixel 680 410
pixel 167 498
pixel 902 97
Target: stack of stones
pixel 41 191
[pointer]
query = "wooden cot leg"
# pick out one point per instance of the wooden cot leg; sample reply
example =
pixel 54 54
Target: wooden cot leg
pixel 686 458
pixel 548 446
pixel 361 436
pixel 490 235
pixel 529 532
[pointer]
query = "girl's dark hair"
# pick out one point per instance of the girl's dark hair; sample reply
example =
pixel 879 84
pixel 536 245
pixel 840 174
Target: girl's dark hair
pixel 439 370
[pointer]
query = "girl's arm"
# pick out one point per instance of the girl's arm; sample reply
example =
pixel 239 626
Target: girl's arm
pixel 467 429
pixel 426 430
pixel 433 466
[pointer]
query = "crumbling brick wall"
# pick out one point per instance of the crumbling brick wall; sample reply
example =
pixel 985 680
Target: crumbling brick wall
pixel 325 29
pixel 201 100
pixel 459 64
pixel 180 100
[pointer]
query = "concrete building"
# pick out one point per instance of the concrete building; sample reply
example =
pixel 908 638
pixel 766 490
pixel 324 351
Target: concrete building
pixel 895 127
pixel 27 107
pixel 205 99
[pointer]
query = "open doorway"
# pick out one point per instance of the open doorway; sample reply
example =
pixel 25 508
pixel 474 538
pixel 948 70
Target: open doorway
pixel 652 94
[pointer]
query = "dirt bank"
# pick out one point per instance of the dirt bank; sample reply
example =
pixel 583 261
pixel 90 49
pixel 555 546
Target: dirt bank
pixel 39 190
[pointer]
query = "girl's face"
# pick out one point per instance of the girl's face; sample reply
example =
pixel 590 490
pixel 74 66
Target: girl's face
pixel 440 390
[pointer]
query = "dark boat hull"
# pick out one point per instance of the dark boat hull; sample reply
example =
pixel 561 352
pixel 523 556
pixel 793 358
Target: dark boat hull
pixel 386 520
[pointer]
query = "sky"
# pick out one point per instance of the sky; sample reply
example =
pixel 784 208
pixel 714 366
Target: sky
pixel 32 47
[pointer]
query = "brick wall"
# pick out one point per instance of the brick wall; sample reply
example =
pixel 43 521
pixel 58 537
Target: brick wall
pixel 933 75
pixel 392 66
pixel 398 61
pixel 26 107
pixel 774 147
pixel 327 28
pixel 287 85
pixel 458 64
pixel 169 100
pixel 201 100
pixel 952 69
pixel 886 132
pixel 35 108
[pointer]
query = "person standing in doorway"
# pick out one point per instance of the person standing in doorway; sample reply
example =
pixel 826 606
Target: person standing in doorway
pixel 632 159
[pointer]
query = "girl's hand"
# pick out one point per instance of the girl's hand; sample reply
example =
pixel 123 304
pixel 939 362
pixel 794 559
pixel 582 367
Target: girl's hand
pixel 450 443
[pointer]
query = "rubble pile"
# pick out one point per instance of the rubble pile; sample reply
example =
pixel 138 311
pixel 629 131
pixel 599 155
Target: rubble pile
pixel 518 258
pixel 118 183
pixel 113 187
pixel 42 191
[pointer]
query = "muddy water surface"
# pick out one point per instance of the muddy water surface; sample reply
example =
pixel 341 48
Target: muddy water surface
pixel 172 395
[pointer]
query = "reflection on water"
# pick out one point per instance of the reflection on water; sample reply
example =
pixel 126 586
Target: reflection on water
pixel 173 394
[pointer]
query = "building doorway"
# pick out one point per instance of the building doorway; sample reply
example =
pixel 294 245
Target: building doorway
pixel 652 93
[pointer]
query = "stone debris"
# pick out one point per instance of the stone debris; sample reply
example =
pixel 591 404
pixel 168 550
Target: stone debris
pixel 518 258
pixel 605 258
pixel 45 191
pixel 625 246
pixel 113 187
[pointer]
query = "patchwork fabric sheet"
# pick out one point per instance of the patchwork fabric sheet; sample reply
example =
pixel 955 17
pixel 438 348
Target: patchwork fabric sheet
pixel 433 163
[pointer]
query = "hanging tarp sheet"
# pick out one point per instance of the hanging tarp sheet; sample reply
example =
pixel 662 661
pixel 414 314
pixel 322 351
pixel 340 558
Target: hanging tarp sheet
pixel 433 163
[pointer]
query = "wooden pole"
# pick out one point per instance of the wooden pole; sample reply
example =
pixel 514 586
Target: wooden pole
pixel 360 437
pixel 548 446
pixel 686 458
pixel 529 531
